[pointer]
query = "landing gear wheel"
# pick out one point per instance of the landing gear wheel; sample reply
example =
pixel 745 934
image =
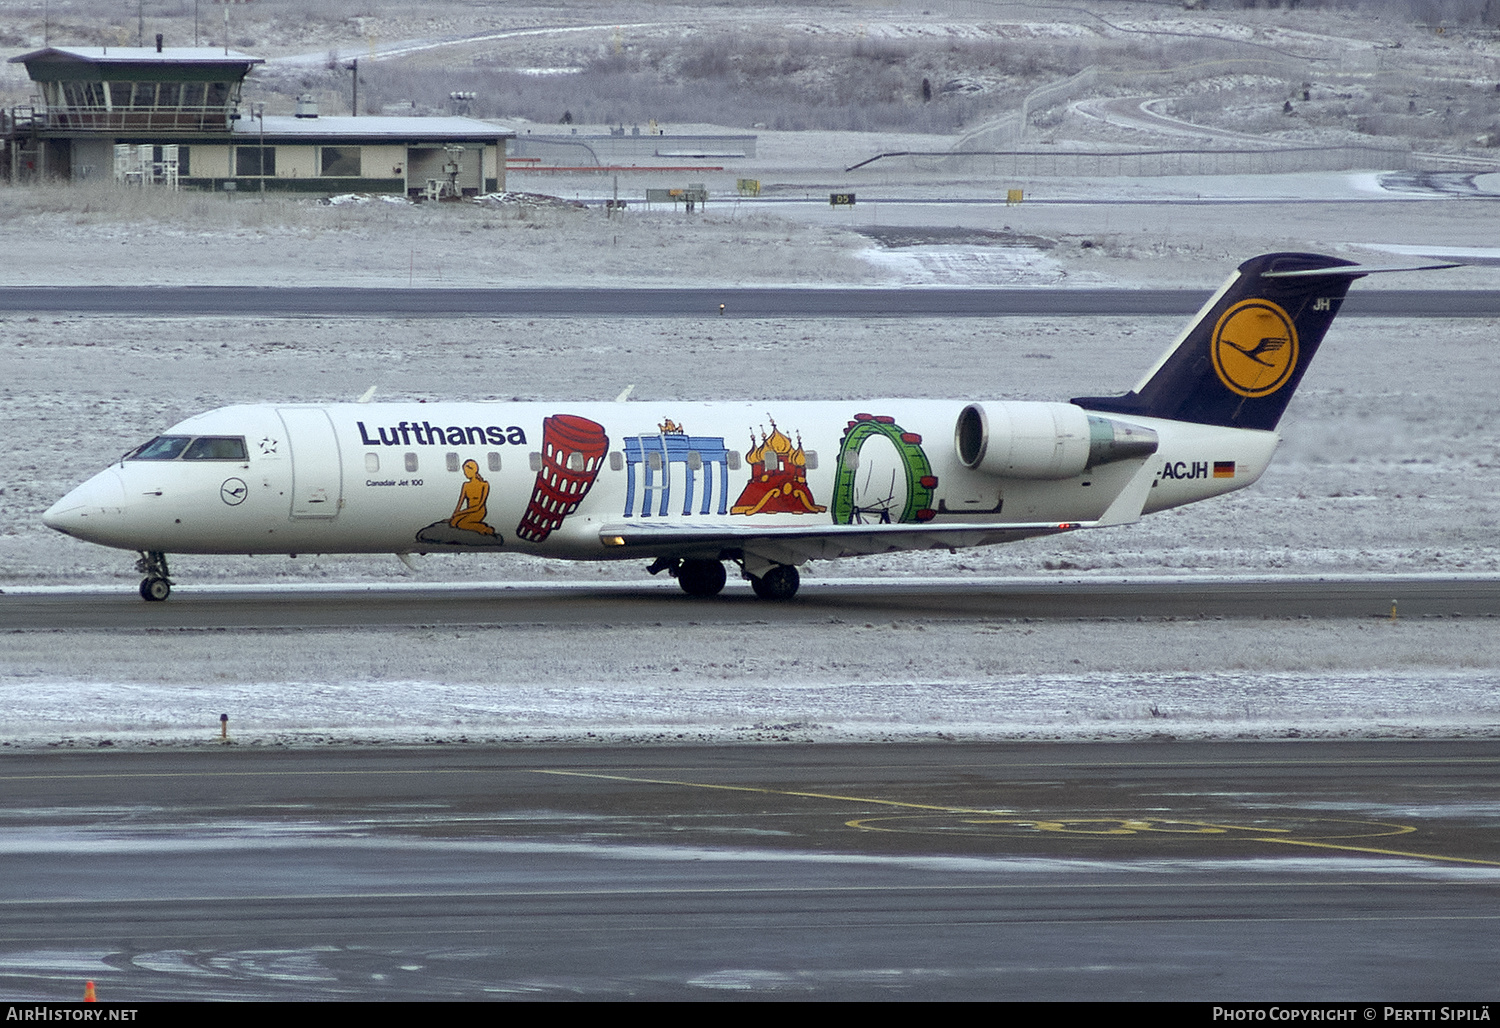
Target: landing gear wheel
pixel 155 589
pixel 780 583
pixel 157 585
pixel 701 577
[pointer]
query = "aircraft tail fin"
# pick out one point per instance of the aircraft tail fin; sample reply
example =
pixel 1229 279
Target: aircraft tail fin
pixel 1239 361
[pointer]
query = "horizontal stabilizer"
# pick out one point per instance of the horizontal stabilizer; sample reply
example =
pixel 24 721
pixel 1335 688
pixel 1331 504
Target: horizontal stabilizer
pixel 1359 270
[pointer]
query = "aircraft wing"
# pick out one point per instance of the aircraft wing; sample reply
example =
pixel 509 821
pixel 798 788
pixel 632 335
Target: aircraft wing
pixel 822 541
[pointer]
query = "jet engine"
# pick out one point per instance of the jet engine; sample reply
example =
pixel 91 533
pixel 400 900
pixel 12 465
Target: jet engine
pixel 1018 439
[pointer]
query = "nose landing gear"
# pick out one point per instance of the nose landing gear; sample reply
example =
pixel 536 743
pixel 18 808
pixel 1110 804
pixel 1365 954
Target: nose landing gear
pixel 157 585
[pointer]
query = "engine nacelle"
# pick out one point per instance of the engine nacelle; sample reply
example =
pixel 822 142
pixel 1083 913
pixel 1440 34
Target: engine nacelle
pixel 1019 439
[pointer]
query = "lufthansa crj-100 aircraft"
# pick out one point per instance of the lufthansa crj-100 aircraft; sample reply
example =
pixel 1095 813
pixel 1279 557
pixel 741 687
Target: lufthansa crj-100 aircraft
pixel 767 485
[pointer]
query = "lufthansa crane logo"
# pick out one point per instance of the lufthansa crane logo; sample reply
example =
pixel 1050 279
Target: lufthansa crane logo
pixel 1254 348
pixel 233 491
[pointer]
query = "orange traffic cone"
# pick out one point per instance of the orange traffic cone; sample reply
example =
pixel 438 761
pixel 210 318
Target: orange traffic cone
pixel 88 993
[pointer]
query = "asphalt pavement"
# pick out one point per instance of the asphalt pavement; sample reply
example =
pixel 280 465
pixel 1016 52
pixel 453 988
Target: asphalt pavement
pixel 651 602
pixel 1181 871
pixel 339 301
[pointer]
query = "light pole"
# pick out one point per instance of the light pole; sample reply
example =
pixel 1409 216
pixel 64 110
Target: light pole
pixel 260 115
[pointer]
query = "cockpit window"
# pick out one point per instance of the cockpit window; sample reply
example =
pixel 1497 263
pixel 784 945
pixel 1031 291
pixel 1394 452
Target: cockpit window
pixel 216 447
pixel 163 447
pixel 185 447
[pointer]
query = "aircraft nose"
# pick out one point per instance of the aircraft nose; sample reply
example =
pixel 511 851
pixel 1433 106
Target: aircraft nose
pixel 100 496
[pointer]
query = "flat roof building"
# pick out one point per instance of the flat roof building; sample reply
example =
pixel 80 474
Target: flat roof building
pixel 174 115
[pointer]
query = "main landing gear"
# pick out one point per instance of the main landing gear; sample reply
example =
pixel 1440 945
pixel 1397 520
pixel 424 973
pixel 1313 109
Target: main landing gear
pixel 779 583
pixel 701 577
pixel 157 585
pixel 697 577
pixel 707 577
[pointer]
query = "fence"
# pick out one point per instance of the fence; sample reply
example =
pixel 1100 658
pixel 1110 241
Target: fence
pixel 1154 163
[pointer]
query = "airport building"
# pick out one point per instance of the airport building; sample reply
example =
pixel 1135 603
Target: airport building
pixel 173 116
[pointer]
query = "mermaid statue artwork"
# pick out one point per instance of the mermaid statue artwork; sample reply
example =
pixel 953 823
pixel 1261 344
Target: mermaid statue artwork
pixel 467 526
pixel 473 496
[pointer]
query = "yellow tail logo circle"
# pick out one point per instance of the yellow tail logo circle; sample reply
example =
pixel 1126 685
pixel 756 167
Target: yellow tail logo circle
pixel 1254 348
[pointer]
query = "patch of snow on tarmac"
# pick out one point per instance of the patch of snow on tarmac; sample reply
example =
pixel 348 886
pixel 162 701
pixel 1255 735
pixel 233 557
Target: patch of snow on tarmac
pixel 968 266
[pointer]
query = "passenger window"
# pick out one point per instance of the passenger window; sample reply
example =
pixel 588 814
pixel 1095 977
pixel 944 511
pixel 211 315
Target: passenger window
pixel 452 462
pixel 411 462
pixel 695 461
pixel 372 462
pixel 617 461
pixel 163 447
pixel 732 458
pixel 494 461
pixel 812 459
pixel 210 447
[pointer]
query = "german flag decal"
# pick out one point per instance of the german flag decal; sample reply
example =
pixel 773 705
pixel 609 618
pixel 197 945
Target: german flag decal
pixel 1223 469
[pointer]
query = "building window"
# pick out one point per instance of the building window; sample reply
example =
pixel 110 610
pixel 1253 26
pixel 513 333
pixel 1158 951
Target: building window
pixel 78 95
pixel 341 161
pixel 183 167
pixel 255 160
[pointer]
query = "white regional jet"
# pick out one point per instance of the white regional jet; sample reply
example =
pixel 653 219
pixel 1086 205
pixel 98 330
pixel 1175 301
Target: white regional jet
pixel 766 485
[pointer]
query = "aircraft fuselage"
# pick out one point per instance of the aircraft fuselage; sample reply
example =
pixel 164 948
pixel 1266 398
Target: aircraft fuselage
pixel 383 478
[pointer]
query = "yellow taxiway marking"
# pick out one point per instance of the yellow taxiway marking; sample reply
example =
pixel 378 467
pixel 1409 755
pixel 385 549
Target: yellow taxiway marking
pixel 1384 852
pixel 1126 825
pixel 1136 825
pixel 778 792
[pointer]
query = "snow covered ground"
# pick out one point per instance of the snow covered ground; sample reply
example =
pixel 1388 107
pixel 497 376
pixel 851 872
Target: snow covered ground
pixel 823 681
pixel 1389 465
pixel 1161 232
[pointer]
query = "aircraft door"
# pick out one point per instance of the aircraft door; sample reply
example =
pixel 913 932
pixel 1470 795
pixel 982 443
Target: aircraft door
pixel 317 471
